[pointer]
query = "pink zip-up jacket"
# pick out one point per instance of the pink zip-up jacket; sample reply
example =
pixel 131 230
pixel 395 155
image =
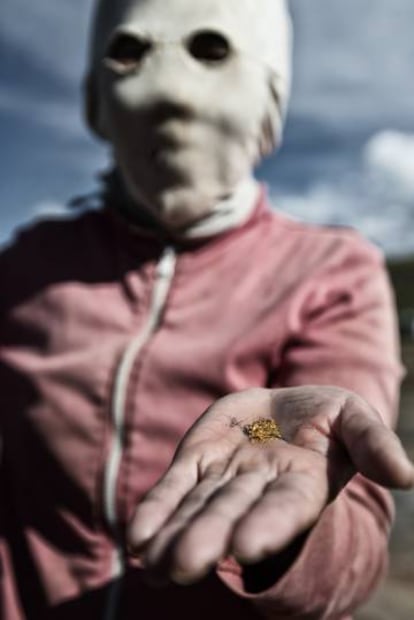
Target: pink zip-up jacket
pixel 114 342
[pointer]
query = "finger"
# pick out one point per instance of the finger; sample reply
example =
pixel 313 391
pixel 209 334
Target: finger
pixel 373 448
pixel 289 507
pixel 206 539
pixel 158 505
pixel 156 556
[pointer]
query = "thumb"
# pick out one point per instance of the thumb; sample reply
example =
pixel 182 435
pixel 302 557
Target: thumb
pixel 374 449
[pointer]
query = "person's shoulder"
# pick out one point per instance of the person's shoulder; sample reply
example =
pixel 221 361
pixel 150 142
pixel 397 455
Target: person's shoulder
pixel 51 246
pixel 51 227
pixel 327 241
pixel 51 234
pixel 49 253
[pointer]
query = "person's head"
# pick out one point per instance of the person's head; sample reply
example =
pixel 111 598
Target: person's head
pixel 191 94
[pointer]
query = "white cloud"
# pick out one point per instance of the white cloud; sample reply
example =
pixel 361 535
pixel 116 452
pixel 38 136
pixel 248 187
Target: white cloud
pixel 389 158
pixel 46 209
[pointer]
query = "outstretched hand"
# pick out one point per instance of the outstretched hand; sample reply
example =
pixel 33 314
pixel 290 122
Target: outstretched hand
pixel 224 495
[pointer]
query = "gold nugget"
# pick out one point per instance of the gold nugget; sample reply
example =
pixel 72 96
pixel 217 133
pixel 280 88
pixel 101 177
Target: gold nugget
pixel 262 431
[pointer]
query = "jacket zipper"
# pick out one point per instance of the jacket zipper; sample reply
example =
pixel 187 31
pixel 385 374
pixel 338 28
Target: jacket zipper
pixel 163 278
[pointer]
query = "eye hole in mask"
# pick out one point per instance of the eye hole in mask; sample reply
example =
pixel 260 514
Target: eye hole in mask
pixel 209 47
pixel 127 52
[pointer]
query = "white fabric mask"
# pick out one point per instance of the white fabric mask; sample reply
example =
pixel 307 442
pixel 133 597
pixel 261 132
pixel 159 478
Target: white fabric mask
pixel 191 94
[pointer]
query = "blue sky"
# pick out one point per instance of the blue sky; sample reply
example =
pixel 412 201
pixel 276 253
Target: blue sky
pixel 348 156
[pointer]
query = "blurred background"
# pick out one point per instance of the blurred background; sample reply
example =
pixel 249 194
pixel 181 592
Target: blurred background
pixel 347 159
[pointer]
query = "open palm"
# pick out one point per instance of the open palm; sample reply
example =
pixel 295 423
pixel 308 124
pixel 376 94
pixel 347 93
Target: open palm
pixel 224 495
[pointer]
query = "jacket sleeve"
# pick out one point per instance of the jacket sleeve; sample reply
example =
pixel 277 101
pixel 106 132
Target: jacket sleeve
pixel 343 333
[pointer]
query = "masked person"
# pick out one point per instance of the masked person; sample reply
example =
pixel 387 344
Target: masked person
pixel 120 327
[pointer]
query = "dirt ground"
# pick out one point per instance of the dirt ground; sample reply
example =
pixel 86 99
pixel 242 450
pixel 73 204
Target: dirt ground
pixel 395 599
